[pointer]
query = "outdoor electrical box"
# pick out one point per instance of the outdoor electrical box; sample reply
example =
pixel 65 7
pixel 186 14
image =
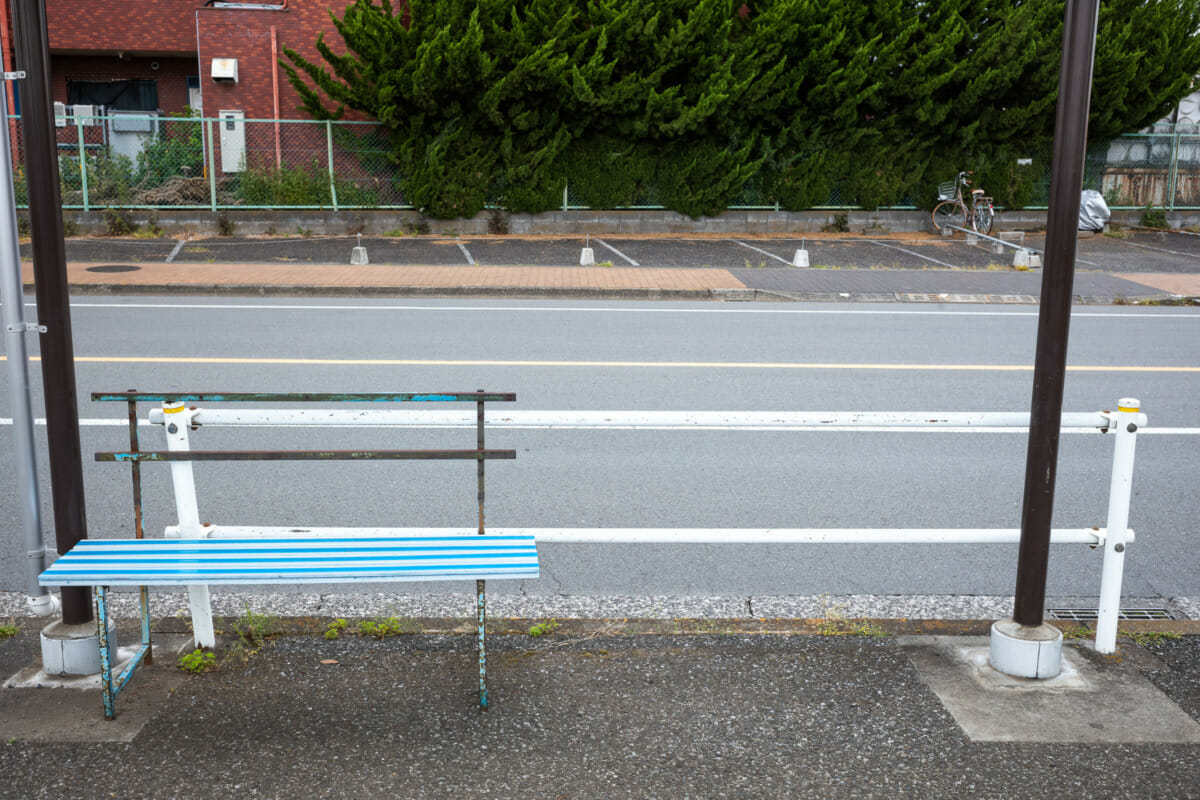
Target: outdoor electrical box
pixel 88 115
pixel 233 140
pixel 225 70
pixel 60 114
pixel 128 131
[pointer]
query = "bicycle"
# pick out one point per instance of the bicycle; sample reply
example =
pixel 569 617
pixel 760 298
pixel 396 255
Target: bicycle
pixel 954 210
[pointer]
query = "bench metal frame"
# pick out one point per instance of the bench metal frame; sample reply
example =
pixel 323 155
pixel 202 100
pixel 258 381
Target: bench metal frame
pixel 178 417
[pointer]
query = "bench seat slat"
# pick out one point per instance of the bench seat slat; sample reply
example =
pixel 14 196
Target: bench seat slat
pixel 158 562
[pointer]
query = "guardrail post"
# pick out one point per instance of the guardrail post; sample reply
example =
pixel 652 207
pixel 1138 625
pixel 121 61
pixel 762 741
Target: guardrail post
pixel 1115 538
pixel 176 419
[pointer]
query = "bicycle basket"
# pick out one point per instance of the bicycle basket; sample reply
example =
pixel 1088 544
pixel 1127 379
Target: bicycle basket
pixel 946 190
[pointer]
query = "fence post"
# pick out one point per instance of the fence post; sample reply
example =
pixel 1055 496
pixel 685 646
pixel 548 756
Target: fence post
pixel 329 155
pixel 82 162
pixel 1173 176
pixel 212 163
pixel 1120 490
pixel 566 197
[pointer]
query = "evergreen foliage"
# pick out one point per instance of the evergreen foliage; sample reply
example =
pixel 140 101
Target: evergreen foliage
pixel 686 101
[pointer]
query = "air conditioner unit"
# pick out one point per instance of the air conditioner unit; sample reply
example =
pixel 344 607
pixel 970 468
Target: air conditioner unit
pixel 60 115
pixel 225 70
pixel 88 115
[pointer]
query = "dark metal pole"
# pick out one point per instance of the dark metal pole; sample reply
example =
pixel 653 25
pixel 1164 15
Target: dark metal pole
pixel 53 301
pixel 1054 318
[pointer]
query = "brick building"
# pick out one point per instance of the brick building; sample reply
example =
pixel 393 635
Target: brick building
pixel 158 55
pixel 113 62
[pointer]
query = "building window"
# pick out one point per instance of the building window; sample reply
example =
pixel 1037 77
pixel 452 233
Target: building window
pixel 130 95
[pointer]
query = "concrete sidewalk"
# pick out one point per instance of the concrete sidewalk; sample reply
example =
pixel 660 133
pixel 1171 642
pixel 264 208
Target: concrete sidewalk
pixel 616 709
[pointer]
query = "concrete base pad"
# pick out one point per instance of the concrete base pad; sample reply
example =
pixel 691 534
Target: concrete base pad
pixel 36 707
pixel 1089 701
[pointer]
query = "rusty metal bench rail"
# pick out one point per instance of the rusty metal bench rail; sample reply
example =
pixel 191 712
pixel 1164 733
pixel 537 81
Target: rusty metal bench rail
pixel 342 555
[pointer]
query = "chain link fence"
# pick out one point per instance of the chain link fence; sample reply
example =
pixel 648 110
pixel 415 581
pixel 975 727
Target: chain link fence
pixel 131 160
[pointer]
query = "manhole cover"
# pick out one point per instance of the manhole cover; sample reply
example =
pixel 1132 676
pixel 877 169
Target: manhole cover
pixel 1080 614
pixel 114 268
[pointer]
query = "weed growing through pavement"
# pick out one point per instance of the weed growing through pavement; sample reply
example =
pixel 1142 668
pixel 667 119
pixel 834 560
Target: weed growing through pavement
pixel 9 630
pixel 1078 632
pixel 255 628
pixel 1151 637
pixel 336 628
pixel 543 628
pixel 197 661
pixel 836 623
pixel 388 626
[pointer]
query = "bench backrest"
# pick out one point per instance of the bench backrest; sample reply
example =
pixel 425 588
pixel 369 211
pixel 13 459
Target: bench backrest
pixel 177 416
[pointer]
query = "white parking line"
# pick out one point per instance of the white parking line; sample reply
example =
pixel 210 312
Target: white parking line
pixel 632 263
pixel 910 252
pixel 466 253
pixel 1157 249
pixel 178 246
pixel 764 252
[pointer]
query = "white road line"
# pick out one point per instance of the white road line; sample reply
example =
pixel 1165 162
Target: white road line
pixel 649 309
pixel 1158 249
pixel 764 252
pixel 466 253
pixel 632 263
pixel 178 246
pixel 910 252
pixel 661 421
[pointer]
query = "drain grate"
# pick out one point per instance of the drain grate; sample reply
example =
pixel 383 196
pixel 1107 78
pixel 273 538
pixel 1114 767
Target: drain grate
pixel 114 268
pixel 1080 614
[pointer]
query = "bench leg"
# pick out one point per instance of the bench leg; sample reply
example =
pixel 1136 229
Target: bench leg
pixel 144 598
pixel 200 605
pixel 106 680
pixel 481 622
pixel 110 687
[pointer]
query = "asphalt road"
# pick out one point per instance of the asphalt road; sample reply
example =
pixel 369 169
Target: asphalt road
pixel 670 356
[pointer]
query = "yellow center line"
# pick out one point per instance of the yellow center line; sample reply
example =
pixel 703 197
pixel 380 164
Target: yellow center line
pixel 415 362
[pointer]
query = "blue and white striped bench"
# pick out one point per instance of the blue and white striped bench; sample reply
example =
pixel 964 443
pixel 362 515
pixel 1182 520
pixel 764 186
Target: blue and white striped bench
pixel 288 556
pixel 105 563
pixel 293 559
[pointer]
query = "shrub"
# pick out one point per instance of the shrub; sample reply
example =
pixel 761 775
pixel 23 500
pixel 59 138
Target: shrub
pixel 1154 217
pixel 284 186
pixel 119 222
pixel 177 150
pixel 606 172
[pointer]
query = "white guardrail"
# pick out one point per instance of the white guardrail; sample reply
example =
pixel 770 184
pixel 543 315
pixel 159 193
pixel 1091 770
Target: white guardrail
pixel 1113 537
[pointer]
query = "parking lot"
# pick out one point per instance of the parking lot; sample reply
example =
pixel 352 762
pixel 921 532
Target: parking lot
pixel 1131 252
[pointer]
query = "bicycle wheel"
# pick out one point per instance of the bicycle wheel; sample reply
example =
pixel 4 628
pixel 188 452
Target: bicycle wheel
pixel 982 219
pixel 949 213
